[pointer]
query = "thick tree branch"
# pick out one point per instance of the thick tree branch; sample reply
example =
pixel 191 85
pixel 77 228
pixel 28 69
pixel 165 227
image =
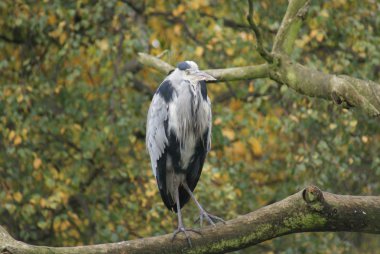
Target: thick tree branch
pixel 353 92
pixel 362 94
pixel 236 73
pixel 155 63
pixel 309 210
pixel 290 26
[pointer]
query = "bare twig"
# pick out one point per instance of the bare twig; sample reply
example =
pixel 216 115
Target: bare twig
pixel 260 47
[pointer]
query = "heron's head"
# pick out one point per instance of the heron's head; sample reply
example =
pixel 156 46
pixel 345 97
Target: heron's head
pixel 191 72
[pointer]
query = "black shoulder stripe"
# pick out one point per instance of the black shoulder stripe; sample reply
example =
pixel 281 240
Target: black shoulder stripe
pixel 166 91
pixel 203 89
pixel 174 150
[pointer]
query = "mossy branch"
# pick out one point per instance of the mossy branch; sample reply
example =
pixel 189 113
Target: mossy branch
pixel 227 74
pixel 290 26
pixel 309 210
pixel 361 94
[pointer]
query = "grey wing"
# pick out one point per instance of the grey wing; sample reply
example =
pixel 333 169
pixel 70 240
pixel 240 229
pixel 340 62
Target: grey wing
pixel 209 126
pixel 156 139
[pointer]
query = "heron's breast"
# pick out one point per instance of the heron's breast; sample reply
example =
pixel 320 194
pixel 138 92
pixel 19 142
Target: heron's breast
pixel 184 120
pixel 187 126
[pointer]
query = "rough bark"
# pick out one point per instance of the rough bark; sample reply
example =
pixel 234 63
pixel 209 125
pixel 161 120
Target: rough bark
pixel 309 210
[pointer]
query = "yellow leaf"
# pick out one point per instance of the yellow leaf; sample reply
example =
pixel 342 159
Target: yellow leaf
pixel 239 117
pixel 238 148
pixel 11 135
pixel 230 51
pixel 245 131
pixel 57 32
pixel 52 19
pixel 7 92
pixel 151 193
pixel 62 38
pixel 17 196
pixel 103 44
pixel 256 17
pixel 313 33
pixel 37 175
pixel 235 104
pixel 332 126
pixel 20 98
pixel 180 9
pixel 255 146
pixel 294 118
pixel 24 133
pixel 251 87
pixel 37 163
pixel 228 133
pixel 324 13
pixel 64 225
pixel 17 140
pixel 218 121
pixel 199 51
pixel 194 5
pixel 320 37
pixel 177 29
pixel 353 123
pixel 42 203
pixel 56 224
pixel 57 89
pixel 74 234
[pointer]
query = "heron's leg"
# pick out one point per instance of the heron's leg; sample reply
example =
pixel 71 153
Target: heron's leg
pixel 212 219
pixel 181 228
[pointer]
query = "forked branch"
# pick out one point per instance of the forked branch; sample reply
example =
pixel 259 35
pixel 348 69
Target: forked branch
pixel 361 94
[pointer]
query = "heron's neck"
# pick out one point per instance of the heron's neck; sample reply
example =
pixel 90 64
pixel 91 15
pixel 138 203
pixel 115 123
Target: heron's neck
pixel 188 110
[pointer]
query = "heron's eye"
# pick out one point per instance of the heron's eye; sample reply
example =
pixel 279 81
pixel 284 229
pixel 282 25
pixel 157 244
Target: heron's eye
pixel 187 72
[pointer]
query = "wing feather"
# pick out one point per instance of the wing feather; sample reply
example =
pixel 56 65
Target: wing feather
pixel 156 139
pixel 209 125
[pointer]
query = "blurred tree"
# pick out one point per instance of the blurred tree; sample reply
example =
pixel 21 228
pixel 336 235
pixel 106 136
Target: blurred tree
pixel 73 166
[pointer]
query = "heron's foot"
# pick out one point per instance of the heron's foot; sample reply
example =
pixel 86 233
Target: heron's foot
pixel 185 232
pixel 212 219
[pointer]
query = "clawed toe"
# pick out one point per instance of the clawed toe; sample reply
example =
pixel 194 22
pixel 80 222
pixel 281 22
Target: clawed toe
pixel 212 219
pixel 184 231
pixel 216 219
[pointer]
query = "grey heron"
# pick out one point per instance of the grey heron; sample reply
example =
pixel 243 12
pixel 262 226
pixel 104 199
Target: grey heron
pixel 178 138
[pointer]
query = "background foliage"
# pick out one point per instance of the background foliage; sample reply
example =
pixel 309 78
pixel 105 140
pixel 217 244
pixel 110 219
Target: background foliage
pixel 73 101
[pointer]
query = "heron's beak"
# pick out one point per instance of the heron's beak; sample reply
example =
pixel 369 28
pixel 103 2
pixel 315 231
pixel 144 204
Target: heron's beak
pixel 204 76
